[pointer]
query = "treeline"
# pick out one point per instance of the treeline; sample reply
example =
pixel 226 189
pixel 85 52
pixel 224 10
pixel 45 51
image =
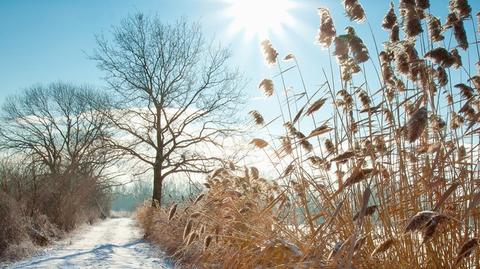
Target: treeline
pixel 126 198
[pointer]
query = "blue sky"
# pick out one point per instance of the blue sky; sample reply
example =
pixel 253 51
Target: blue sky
pixel 50 40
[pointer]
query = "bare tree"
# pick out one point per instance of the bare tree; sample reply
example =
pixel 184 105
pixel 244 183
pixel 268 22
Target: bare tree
pixel 57 135
pixel 57 129
pixel 177 94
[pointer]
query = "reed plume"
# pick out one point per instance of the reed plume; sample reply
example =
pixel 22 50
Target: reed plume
pixel 478 21
pixel 411 21
pixel 395 34
pixel 329 146
pixel 207 241
pixel 475 80
pixel 358 175
pixel 354 10
pixel 431 227
pixel 267 86
pixel 320 130
pixel 368 212
pixel 460 34
pixel 454 21
pixel 457 58
pixel 442 76
pixel 419 221
pixel 172 211
pixel 257 117
pixel 187 229
pixel 315 106
pixel 465 90
pixel 390 18
pixel 343 156
pixel 461 7
pixel 357 47
pixel 326 33
pixel 191 238
pixel 286 145
pixel 422 4
pixel 289 57
pixel 341 49
pixel 466 249
pixel 199 198
pixel 269 52
pixel 440 56
pixel 435 28
pixel 384 246
pixel 416 125
pixel 259 143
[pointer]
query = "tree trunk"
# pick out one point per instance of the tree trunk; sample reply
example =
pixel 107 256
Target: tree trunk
pixel 157 186
pixel 157 167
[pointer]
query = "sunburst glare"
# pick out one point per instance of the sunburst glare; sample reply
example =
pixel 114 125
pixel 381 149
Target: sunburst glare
pixel 259 18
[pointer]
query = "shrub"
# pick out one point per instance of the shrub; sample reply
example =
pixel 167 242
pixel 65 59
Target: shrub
pixel 37 209
pixel 12 223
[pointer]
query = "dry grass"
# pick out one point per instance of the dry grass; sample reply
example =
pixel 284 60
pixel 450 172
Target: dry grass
pixel 238 215
pixel 13 224
pixel 38 209
pixel 391 181
pixel 21 233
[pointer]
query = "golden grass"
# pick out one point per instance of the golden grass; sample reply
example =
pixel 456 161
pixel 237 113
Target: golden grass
pixel 389 181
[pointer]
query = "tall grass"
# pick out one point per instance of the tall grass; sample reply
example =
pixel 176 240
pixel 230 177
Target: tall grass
pixel 389 181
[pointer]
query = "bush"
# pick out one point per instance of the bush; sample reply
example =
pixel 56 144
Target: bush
pixel 38 209
pixel 13 225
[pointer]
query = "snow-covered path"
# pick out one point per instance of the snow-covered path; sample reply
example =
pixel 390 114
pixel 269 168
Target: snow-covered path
pixel 113 243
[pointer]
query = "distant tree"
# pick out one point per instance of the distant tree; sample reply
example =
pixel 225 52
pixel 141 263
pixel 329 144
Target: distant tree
pixel 177 94
pixel 57 136
pixel 57 129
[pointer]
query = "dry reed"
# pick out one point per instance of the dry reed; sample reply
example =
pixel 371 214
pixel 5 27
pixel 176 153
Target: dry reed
pixel 386 178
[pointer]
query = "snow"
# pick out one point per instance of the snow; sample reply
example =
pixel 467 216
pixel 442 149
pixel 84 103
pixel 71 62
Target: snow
pixel 112 243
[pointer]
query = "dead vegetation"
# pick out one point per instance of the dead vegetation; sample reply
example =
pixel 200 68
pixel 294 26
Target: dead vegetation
pixel 391 181
pixel 52 170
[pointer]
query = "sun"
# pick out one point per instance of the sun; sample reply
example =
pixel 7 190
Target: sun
pixel 259 18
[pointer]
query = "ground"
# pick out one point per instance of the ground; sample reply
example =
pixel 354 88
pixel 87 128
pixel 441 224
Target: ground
pixel 112 243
